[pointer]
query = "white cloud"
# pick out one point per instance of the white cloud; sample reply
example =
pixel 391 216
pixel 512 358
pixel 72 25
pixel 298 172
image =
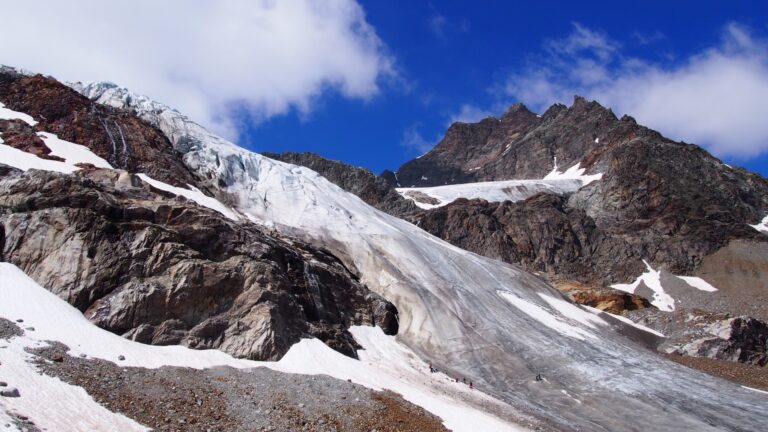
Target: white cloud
pixel 437 24
pixel 203 57
pixel 470 114
pixel 413 140
pixel 716 98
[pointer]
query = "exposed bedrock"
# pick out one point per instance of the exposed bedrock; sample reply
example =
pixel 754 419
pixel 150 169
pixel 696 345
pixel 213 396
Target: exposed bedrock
pixel 159 269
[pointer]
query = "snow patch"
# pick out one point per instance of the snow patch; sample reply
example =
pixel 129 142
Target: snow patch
pixel 698 283
pixel 661 299
pixel 651 279
pixel 385 364
pixel 573 311
pixel 9 114
pixel 573 173
pixel 71 152
pixel 545 317
pixel 762 226
pixel 193 194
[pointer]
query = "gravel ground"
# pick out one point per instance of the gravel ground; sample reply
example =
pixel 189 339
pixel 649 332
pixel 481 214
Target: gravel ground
pixel 9 329
pixel 227 399
pixel 741 373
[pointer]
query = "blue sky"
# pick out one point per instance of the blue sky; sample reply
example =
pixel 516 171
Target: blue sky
pixel 452 54
pixel 376 83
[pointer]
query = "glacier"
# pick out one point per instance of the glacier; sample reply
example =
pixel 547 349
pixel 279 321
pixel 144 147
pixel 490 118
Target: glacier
pixel 459 310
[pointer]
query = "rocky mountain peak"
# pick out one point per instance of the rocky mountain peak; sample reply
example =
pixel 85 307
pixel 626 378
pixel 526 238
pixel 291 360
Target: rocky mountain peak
pixel 518 145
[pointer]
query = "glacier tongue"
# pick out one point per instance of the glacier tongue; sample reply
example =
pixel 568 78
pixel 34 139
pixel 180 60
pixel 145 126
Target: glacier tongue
pixel 453 304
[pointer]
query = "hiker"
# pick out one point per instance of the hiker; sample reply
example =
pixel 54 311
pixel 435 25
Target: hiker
pixel 538 377
pixel 471 386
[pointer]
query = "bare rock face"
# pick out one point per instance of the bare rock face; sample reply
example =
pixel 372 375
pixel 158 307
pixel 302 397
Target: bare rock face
pixel 120 137
pixel 699 333
pixel 162 270
pixel 741 339
pixel 518 145
pixel 372 189
pixel 670 203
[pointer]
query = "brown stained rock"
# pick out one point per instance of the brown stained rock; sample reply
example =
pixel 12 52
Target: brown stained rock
pixel 120 137
pixel 606 299
pixel 20 135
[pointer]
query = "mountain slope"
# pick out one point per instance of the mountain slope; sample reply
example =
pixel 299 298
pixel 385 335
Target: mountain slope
pixel 669 203
pixel 474 317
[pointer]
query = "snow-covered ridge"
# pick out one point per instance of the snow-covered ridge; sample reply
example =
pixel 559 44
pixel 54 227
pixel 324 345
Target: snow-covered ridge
pixel 58 406
pixel 450 308
pixel 661 299
pixel 496 191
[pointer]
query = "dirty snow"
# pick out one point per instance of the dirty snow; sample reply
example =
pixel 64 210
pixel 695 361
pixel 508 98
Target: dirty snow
pixel 385 364
pixel 193 194
pixel 497 191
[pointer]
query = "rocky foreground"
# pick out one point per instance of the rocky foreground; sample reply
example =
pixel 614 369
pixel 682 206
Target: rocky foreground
pixel 224 398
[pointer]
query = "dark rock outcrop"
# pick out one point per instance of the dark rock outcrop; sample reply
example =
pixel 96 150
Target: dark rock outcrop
pixel 120 137
pixel 374 190
pixel 162 270
pixel 699 333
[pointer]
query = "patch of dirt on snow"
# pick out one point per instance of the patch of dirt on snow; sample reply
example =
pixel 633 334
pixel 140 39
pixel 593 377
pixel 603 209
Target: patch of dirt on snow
pixel 228 399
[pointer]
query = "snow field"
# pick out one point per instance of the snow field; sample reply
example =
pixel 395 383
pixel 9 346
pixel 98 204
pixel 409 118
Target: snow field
pixel 497 191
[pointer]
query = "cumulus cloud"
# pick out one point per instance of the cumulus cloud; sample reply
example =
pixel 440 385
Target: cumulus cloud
pixel 204 58
pixel 715 98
